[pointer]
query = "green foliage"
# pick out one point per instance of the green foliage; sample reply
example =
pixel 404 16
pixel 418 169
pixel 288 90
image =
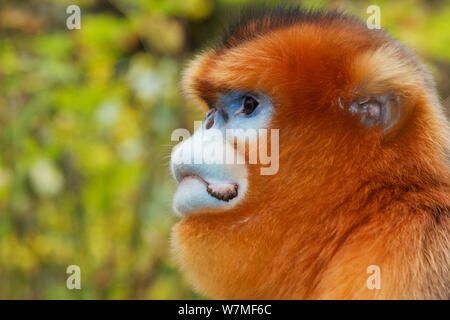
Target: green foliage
pixel 86 117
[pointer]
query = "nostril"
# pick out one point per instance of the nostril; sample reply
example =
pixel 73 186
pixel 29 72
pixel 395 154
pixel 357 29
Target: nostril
pixel 210 112
pixel 209 123
pixel 210 119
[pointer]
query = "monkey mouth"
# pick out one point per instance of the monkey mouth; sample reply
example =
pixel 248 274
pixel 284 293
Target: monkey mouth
pixel 224 191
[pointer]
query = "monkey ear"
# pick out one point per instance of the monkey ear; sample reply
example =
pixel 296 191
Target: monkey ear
pixel 384 111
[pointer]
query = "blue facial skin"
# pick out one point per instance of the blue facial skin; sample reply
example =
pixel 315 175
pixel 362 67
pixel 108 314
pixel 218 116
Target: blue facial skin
pixel 192 194
pixel 228 116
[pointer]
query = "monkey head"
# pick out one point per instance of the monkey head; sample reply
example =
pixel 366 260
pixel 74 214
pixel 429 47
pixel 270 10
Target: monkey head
pixel 342 109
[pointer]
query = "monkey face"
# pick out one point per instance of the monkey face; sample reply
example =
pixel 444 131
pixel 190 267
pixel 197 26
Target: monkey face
pixel 210 170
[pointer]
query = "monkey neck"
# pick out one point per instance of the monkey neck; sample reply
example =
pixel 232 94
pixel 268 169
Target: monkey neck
pixel 249 252
pixel 281 249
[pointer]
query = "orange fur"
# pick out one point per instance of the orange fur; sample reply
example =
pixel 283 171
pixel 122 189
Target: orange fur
pixel 345 197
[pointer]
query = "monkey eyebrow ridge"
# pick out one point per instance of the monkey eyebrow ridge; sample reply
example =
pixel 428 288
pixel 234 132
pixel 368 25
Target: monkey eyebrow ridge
pixel 206 91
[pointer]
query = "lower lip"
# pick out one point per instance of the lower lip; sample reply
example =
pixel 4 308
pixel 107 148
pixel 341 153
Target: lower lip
pixel 207 185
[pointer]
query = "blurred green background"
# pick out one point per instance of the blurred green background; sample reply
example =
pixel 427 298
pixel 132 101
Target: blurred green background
pixel 85 123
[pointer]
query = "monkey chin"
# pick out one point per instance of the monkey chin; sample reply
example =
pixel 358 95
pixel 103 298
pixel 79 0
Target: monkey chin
pixel 195 195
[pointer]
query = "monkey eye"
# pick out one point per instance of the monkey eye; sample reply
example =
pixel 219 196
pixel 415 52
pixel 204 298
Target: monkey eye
pixel 249 104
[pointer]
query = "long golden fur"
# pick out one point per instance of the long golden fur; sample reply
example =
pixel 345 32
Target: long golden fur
pixel 345 197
